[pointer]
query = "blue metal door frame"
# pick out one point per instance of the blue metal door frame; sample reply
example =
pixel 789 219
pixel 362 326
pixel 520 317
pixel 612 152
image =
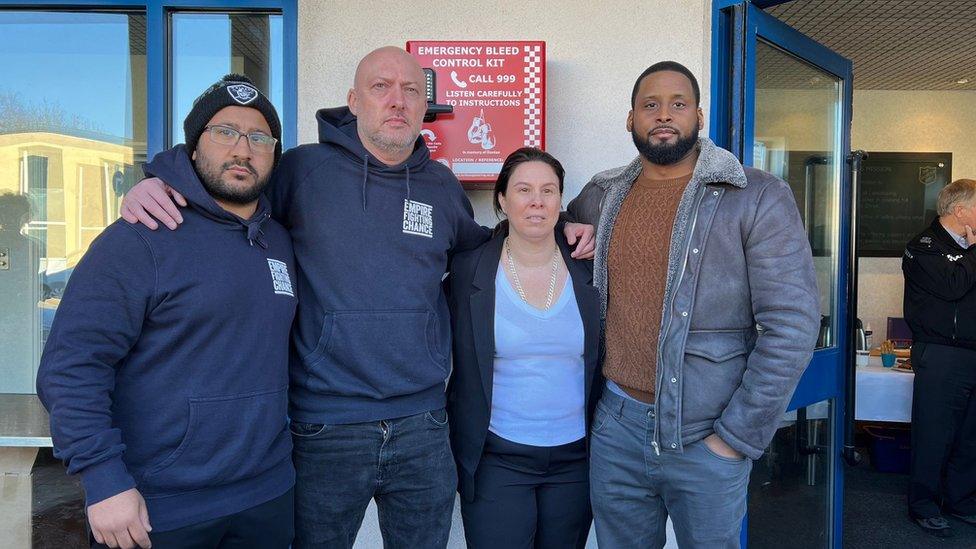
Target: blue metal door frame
pixel 157 55
pixel 737 26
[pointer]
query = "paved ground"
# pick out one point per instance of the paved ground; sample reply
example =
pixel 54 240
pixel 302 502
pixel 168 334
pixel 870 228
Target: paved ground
pixel 784 512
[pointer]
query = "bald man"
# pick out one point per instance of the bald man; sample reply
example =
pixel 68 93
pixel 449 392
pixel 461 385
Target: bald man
pixel 375 220
pixel 374 223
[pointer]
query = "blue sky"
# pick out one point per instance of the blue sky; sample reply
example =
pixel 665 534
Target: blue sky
pixel 80 62
pixel 77 61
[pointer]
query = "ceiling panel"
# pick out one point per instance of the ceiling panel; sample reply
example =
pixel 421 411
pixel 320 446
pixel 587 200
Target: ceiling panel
pixel 894 44
pixel 776 69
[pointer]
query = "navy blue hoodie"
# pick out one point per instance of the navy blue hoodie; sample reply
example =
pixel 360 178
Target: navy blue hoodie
pixel 372 242
pixel 166 367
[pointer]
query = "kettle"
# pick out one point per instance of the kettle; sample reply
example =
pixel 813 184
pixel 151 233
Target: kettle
pixel 823 339
pixel 860 336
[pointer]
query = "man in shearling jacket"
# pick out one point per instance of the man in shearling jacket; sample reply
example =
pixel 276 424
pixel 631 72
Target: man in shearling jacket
pixel 693 252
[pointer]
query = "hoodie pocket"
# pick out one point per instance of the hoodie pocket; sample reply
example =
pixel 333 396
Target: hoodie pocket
pixel 714 362
pixel 227 439
pixel 376 354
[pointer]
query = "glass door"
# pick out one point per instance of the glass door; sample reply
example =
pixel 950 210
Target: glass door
pixel 789 114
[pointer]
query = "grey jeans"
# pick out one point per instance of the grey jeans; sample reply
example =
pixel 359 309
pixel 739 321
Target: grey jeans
pixel 633 491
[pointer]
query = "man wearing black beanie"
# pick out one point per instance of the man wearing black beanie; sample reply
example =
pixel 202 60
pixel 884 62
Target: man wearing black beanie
pixel 166 371
pixel 231 90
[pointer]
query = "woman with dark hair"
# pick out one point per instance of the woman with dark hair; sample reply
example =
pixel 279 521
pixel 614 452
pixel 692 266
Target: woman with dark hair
pixel 526 325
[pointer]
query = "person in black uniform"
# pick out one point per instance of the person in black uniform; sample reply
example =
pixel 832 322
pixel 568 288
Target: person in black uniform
pixel 940 307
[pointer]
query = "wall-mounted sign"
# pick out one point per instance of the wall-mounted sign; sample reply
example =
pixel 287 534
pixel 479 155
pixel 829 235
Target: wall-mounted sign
pixel 498 92
pixel 898 199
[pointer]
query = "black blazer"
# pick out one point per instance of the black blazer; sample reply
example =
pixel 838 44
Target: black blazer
pixel 471 296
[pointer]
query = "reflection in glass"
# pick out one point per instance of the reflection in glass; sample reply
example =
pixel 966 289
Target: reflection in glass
pixel 72 131
pixel 789 490
pixel 798 138
pixel 206 46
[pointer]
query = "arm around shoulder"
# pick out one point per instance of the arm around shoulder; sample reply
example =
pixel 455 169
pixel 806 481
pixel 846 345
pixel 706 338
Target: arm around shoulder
pixel 585 208
pixel 468 233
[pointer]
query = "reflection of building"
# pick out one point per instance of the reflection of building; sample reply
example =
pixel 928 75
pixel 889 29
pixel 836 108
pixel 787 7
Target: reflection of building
pixel 74 183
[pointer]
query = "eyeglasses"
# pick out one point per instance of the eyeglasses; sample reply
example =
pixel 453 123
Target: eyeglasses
pixel 225 135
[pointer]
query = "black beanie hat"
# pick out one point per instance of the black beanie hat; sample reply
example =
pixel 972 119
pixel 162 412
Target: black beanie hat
pixel 231 90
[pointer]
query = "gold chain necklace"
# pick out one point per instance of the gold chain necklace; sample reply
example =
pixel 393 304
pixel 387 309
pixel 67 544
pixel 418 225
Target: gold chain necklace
pixel 518 283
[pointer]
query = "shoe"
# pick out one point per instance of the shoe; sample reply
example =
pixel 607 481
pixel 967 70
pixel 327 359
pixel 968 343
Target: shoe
pixel 936 526
pixel 968 519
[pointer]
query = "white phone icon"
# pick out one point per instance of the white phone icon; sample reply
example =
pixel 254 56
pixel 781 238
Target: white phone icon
pixel 459 83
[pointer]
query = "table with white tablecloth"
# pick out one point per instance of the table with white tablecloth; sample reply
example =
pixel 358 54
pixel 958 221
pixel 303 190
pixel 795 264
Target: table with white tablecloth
pixel 883 394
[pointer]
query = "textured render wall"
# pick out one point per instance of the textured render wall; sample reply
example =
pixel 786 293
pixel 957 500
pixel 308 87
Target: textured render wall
pixel 908 121
pixel 595 50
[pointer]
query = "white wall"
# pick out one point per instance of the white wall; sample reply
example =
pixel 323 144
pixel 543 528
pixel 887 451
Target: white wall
pixel 908 121
pixel 594 50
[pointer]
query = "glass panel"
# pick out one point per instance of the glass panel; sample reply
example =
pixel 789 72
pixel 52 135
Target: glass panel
pixel 59 128
pixel 798 138
pixel 789 490
pixel 206 46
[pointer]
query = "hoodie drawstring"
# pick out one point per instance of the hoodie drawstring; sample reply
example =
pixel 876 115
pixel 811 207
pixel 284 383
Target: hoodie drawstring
pixel 365 175
pixel 408 183
pixel 255 233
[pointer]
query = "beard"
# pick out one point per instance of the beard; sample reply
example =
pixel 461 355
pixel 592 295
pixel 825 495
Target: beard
pixel 664 154
pixel 392 144
pixel 213 182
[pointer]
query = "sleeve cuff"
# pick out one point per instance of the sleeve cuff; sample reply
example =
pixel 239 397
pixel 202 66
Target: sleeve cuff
pixel 736 443
pixel 105 479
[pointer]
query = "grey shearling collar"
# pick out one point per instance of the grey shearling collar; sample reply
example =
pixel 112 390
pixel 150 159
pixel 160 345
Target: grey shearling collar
pixel 715 165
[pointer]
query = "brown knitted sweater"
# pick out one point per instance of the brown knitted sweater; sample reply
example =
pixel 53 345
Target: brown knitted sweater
pixel 637 273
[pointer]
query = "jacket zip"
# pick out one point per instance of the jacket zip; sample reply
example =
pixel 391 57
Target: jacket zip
pixel 656 444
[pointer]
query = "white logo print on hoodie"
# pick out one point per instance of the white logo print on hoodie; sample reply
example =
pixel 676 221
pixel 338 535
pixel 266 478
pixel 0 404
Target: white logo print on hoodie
pixel 280 278
pixel 418 218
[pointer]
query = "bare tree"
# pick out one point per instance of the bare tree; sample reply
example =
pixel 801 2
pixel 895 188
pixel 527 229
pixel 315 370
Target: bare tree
pixel 19 115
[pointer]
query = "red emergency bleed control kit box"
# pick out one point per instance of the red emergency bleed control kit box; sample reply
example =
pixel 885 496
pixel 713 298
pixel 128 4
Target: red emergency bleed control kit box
pixel 497 90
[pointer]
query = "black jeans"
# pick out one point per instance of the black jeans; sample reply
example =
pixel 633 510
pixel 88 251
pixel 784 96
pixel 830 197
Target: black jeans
pixel 405 464
pixel 270 525
pixel 943 472
pixel 529 497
